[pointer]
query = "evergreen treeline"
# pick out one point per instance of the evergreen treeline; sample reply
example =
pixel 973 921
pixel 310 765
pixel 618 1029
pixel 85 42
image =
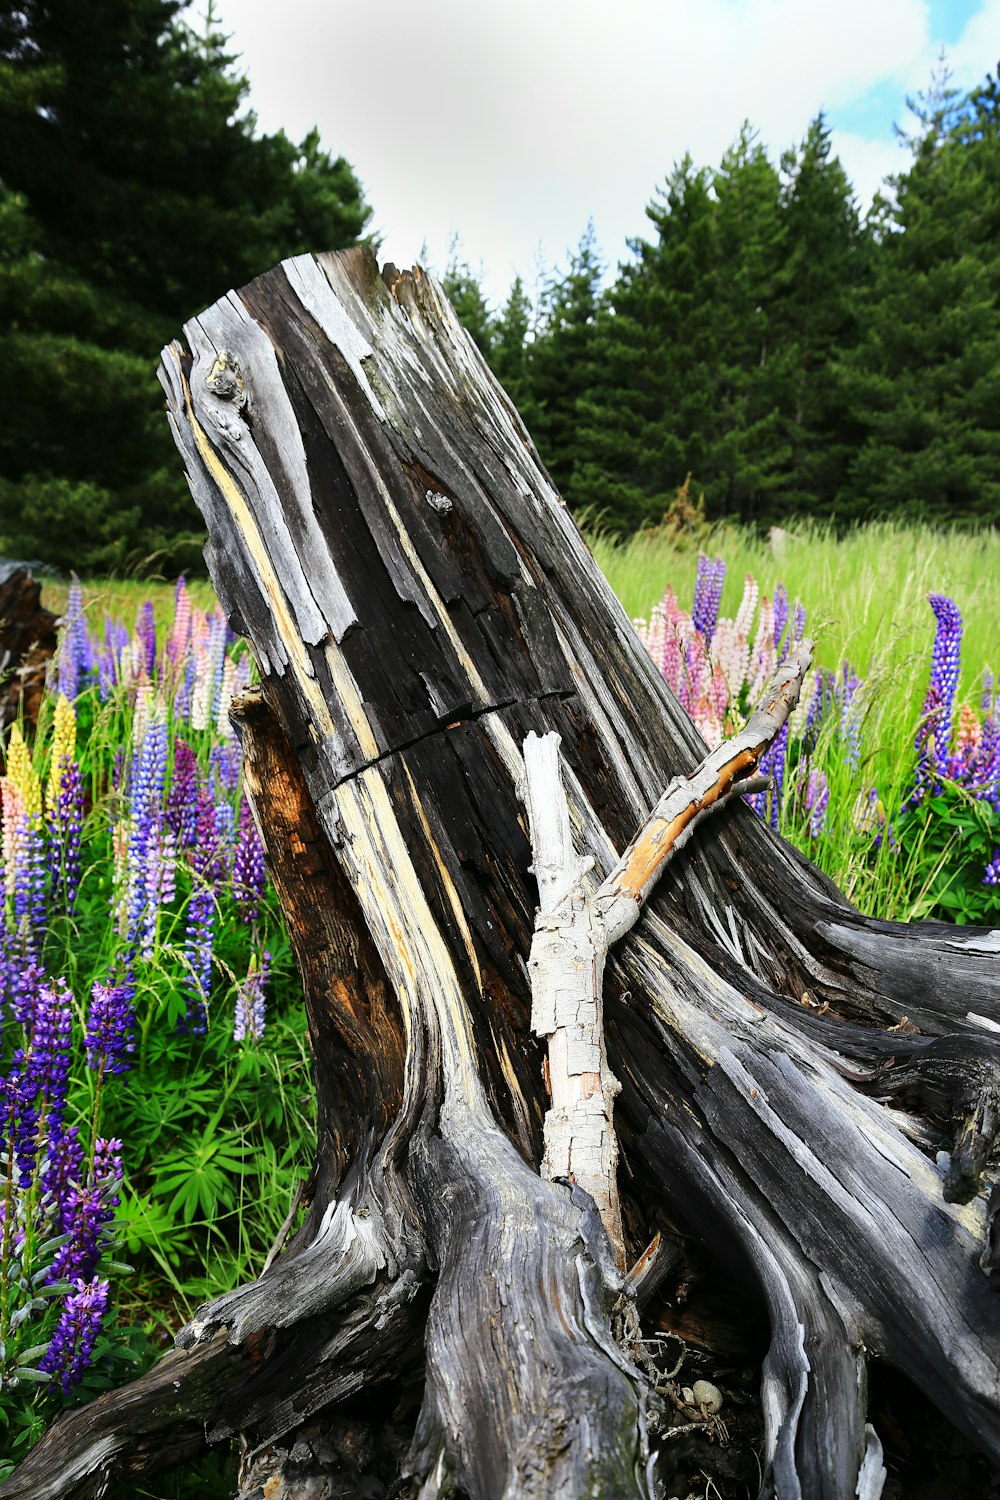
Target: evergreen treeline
pixel 791 357
pixel 134 189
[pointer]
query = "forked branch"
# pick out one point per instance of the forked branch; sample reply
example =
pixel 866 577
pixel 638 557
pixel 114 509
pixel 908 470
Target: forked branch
pixel 574 930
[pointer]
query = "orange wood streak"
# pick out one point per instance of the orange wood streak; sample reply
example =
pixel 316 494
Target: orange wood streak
pixel 658 837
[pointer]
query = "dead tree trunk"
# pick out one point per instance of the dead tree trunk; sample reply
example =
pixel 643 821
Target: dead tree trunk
pixel 808 1098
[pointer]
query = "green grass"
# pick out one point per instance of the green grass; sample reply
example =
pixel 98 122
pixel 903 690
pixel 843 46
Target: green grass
pixel 122 598
pixel 866 597
pixel 865 590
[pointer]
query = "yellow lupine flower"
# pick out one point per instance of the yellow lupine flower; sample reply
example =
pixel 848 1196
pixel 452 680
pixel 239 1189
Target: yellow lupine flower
pixel 22 774
pixel 63 746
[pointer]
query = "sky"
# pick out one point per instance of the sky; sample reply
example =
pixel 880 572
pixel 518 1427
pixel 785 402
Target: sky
pixel 510 124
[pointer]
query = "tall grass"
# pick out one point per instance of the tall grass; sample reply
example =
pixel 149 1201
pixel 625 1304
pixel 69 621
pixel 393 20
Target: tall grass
pixel 865 591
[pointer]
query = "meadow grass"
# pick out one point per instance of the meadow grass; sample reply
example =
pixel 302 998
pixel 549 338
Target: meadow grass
pixel 865 590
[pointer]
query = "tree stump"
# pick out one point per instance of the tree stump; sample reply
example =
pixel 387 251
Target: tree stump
pixel 27 645
pixel 808 1098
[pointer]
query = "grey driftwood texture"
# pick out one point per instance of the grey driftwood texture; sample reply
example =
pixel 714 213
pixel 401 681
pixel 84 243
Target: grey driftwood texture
pixel 446 1320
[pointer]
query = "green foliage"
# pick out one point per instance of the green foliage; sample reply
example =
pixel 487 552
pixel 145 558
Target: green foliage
pixel 465 294
pixel 925 381
pixel 134 189
pixel 217 1134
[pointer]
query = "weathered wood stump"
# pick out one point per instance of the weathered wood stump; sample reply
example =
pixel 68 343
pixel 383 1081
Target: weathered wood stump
pixel 447 1321
pixel 27 645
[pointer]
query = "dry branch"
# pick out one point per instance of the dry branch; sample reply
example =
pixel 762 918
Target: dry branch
pixel 574 930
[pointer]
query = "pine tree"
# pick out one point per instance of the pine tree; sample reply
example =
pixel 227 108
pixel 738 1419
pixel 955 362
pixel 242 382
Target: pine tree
pixel 645 422
pixel 465 293
pixel 133 188
pixel 823 265
pixel 562 364
pixel 748 459
pixel 925 384
pixel 512 350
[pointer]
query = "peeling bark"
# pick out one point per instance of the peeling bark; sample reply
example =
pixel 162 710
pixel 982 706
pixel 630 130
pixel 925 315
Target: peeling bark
pixel 808 1097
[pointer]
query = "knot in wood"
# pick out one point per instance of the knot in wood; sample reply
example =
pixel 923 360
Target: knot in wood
pixel 225 380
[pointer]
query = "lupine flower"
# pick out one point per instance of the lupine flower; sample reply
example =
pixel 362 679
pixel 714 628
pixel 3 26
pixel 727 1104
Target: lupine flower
pixel 224 769
pixel 66 827
pixel 209 869
pixel 73 652
pixel 249 1017
pixel 180 635
pixel 817 800
pixel 63 749
pixel 935 732
pixel 780 614
pixel 992 875
pixel 145 631
pixel 148 772
pixel 72 1345
pixel 707 595
pixel 249 877
pixel 110 1027
pixel 182 799
pixel 850 720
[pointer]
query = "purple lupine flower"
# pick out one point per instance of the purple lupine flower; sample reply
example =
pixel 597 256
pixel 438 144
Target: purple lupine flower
pixel 66 828
pixel 29 887
pixel 780 615
pixel 773 765
pixel 28 978
pixel 984 772
pixel 225 827
pixel 707 595
pixel 817 710
pixel 250 1004
pixel 108 1165
pixel 61 1174
pixel 990 692
pixel 88 1208
pixel 224 769
pixel 43 1071
pixel 209 869
pixel 850 722
pixel 249 876
pixel 218 639
pixel 116 638
pixel 145 629
pixel 110 1032
pixel 817 800
pixel 198 945
pixel 72 1345
pixel 148 773
pixel 182 798
pixel 73 653
pixel 992 873
pixel 934 735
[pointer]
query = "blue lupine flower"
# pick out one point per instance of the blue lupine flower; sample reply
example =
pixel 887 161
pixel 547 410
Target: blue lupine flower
pixel 707 595
pixel 934 736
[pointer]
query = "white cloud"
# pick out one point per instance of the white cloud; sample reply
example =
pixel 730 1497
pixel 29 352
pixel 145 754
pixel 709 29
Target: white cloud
pixel 513 123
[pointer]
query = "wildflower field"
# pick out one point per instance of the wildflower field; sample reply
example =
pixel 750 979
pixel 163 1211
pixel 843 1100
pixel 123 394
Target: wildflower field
pixel 155 1089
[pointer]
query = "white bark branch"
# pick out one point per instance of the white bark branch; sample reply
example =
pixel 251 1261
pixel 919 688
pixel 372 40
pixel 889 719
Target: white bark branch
pixel 574 930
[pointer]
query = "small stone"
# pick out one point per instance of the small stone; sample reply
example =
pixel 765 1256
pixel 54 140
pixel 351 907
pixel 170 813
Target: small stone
pixel 707 1395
